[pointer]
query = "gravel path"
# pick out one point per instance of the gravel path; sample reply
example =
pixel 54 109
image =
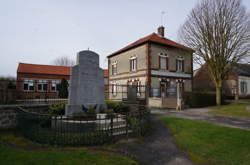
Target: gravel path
pixel 201 114
pixel 156 149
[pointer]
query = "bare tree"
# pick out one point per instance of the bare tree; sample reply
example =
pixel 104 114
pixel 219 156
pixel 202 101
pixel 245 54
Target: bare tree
pixel 63 61
pixel 219 32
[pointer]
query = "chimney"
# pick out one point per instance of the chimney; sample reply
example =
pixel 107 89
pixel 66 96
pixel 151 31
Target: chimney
pixel 161 31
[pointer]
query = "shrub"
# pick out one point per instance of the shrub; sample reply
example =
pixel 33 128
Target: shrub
pixel 57 109
pixel 121 108
pixel 200 99
pixel 117 107
pixel 91 111
pixel 111 104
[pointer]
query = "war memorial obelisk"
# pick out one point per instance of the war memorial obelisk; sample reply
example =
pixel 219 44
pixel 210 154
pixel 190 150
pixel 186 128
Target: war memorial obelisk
pixel 86 87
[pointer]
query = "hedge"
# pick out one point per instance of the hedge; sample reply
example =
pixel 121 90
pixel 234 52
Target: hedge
pixel 200 99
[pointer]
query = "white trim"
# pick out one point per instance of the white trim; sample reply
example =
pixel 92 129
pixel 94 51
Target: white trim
pixel 163 55
pixel 180 58
pixel 114 63
pixel 30 83
pixel 171 74
pixel 133 64
pixel 132 57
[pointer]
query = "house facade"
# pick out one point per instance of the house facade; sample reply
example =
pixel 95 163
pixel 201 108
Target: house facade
pixel 155 62
pixel 236 85
pixel 39 81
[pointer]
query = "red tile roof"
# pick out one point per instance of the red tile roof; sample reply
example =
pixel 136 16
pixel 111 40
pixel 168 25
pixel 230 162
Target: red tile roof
pixel 155 38
pixel 105 72
pixel 47 69
pixel 43 69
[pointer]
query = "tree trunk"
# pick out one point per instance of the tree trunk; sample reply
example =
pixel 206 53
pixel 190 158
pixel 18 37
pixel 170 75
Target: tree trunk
pixel 218 95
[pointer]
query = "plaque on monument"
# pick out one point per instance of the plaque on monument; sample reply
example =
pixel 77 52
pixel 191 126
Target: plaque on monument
pixel 86 87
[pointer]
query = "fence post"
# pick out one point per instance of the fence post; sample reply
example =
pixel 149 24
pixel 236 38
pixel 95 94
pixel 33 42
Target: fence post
pixel 111 125
pixel 127 125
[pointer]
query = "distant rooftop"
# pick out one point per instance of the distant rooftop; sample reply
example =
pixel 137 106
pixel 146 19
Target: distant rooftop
pixel 47 69
pixel 242 69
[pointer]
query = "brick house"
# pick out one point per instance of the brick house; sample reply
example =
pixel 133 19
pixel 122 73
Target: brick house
pixel 38 81
pixel 236 84
pixel 154 61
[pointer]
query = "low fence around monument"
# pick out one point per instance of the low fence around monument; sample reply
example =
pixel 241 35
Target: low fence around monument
pixel 85 130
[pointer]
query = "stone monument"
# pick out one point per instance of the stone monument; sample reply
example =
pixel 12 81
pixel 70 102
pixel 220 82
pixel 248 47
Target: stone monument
pixel 86 87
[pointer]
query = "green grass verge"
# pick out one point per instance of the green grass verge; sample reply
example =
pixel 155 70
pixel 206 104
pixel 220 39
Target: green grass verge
pixel 209 144
pixel 233 109
pixel 54 156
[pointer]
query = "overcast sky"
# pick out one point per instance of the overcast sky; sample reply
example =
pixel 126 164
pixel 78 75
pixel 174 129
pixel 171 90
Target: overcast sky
pixel 38 31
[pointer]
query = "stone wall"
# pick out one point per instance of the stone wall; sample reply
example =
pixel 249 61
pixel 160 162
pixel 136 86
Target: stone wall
pixel 8 114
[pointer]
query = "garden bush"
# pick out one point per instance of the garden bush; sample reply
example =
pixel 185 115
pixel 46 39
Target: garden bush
pixel 117 107
pixel 111 104
pixel 121 108
pixel 57 109
pixel 200 99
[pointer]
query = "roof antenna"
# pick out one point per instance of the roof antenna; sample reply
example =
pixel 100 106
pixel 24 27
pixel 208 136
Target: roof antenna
pixel 162 17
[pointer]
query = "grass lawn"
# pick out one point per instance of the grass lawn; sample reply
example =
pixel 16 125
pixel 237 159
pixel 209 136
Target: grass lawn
pixel 55 156
pixel 209 144
pixel 232 109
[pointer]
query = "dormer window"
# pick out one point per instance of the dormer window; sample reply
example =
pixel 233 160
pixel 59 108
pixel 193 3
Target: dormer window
pixel 133 63
pixel 114 68
pixel 180 64
pixel 163 61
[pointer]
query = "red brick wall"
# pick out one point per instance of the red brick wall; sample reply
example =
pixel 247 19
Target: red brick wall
pixel 35 93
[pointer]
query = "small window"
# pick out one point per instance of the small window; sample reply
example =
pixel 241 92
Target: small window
pixel 28 85
pixel 243 87
pixel 114 68
pixel 55 85
pixel 133 64
pixel 163 61
pixel 114 89
pixel 180 65
pixel 42 85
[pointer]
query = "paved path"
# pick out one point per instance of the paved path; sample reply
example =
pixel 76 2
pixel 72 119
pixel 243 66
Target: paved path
pixel 156 149
pixel 201 114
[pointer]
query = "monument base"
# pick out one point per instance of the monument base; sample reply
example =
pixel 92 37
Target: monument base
pixel 74 109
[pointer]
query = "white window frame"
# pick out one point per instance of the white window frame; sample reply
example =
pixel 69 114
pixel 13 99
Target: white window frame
pixel 133 63
pixel 54 84
pixel 114 68
pixel 42 83
pixel 30 84
pixel 243 87
pixel 114 88
pixel 163 56
pixel 180 64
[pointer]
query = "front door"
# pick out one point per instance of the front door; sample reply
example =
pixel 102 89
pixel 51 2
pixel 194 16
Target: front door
pixel 163 89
